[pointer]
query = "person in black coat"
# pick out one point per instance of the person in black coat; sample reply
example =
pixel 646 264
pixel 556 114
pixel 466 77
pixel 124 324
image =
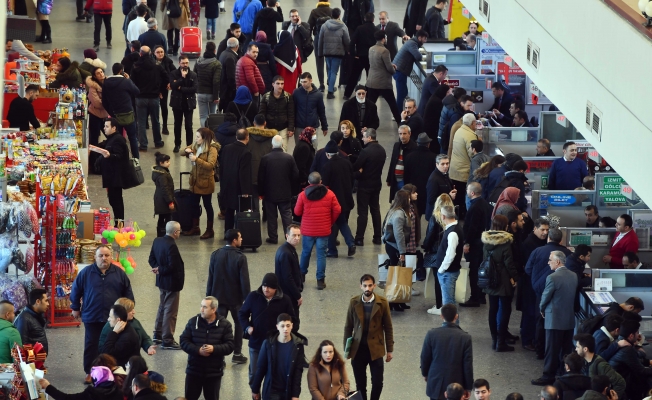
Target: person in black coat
pixel 430 85
pixel 276 174
pixel 123 341
pixel 320 156
pixel 432 115
pixel 411 118
pixel 235 175
pixel 115 165
pixel 418 166
pixel 183 101
pixel 361 41
pixel 226 131
pixel 234 31
pixel 228 281
pixel 301 37
pixel 401 149
pixel 30 323
pixel 435 22
pixel 352 109
pixel 130 59
pixel 368 170
pixel 392 31
pixel 168 66
pixel 415 14
pixel 167 264
pixel 477 220
pixel 265 61
pixel 338 176
pixel 304 155
pixel 286 267
pixel 21 110
pixel 228 58
pixel 354 13
pixel 351 145
pixel 266 20
pixel 628 364
pixel 438 183
pixel 152 37
pixel 502 101
pixel 208 337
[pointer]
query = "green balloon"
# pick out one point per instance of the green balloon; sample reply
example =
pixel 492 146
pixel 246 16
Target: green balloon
pixel 129 270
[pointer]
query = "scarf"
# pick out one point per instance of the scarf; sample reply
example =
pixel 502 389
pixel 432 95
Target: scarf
pixel 261 36
pixel 242 96
pixel 508 197
pixel 306 135
pixel 285 52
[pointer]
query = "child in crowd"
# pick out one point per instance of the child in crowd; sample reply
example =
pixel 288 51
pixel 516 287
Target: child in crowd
pixel 164 195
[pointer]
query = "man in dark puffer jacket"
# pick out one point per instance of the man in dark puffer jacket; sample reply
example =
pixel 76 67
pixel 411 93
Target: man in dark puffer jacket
pixel 209 70
pixel 30 322
pixel 208 337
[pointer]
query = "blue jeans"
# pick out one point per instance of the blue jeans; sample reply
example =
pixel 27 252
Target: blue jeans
pixel 148 106
pixel 132 135
pixel 401 89
pixel 447 280
pixel 210 25
pixel 332 66
pixel 253 362
pixel 341 225
pixel 308 242
pixel 206 107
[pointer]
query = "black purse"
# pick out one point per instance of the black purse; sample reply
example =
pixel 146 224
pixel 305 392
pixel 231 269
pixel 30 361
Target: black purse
pixel 134 174
pixel 429 260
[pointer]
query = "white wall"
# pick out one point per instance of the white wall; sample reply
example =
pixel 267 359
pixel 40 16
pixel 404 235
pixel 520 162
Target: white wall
pixel 588 52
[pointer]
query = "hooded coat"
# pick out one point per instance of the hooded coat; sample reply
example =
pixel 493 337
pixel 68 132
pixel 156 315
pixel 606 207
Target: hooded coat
pixel 500 243
pixel 222 46
pixel 572 386
pixel 235 173
pixel 334 39
pixel 266 63
pixel 260 144
pixel 86 67
pixel 338 176
pixel 202 180
pixel 319 209
pixel 8 336
pixel 225 133
pixel 71 77
pixel 95 106
pixel 164 193
pixel 209 72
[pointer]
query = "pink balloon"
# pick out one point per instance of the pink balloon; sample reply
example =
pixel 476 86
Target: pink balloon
pixel 104 241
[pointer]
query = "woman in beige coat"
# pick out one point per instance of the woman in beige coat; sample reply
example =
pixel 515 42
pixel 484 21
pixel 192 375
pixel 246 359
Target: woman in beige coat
pixel 327 379
pixel 173 25
pixel 203 155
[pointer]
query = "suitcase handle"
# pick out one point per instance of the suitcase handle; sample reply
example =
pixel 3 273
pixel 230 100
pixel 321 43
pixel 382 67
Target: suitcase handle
pixel 181 174
pixel 251 202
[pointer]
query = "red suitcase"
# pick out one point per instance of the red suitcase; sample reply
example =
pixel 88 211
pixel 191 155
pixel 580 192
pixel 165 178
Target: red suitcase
pixel 191 45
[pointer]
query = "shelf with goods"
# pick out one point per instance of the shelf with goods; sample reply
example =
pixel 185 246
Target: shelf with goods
pixel 23 375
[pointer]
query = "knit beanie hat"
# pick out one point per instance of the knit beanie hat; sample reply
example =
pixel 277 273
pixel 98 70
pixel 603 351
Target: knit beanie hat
pixel 90 53
pixel 331 147
pixel 270 280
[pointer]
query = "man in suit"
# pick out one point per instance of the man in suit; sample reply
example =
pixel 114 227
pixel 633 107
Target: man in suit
pixel 228 58
pixel 276 173
pixel 559 317
pixel 392 31
pixel 167 264
pixel 235 175
pixel 477 218
pixel 415 14
pixel 625 241
pixel 502 102
pixel 286 267
pixel 411 118
pixel 429 86
pixel 402 148
pixel 418 166
pixel 361 41
pixel 368 170
pixel 438 183
pixel 447 355
pixel 300 32
pixel 361 111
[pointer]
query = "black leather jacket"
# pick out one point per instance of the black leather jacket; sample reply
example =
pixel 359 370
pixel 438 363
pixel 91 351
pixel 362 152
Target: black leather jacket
pixel 31 326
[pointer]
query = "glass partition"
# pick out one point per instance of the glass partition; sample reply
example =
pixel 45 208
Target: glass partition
pixel 567 205
pixel 555 132
pixel 537 173
pixel 516 135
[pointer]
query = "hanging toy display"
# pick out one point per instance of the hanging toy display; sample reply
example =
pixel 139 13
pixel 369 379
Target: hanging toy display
pixel 125 237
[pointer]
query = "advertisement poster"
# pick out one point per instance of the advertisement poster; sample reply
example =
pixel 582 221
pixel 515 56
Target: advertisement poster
pixel 642 225
pixel 490 54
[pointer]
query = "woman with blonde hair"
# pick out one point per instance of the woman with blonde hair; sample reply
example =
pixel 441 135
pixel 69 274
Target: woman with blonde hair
pixel 202 153
pixel 146 342
pixel 396 233
pixel 350 144
pixel 327 378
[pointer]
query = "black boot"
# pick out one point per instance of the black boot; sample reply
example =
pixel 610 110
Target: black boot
pixel 501 345
pixel 493 342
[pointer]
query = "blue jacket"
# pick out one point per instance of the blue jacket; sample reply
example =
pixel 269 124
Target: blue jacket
pixel 537 266
pixel 309 108
pixel 99 293
pixel 246 21
pixel 153 38
pixel 605 347
pixel 407 55
pixel 564 175
pixel 446 113
pixel 261 314
pixel 493 179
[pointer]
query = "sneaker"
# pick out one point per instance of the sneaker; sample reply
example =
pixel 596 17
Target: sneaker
pixel 80 18
pixel 332 255
pixel 415 292
pixel 434 310
pixel 171 346
pixel 222 10
pixel 377 241
pixel 158 146
pixel 156 339
pixel 322 88
pixel 330 95
pixel 96 47
pixel 351 251
pixel 239 359
pixel 321 285
pixel 271 241
pixel 108 46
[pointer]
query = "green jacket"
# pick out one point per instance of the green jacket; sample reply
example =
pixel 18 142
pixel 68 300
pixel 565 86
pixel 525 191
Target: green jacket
pixel 8 336
pixel 500 243
pixel 145 340
pixel 599 366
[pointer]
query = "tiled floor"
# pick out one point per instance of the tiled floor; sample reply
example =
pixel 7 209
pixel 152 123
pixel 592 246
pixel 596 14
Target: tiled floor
pixel 323 312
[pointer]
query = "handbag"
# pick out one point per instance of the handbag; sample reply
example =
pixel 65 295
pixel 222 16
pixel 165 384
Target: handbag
pixel 216 171
pixel 134 174
pixel 429 260
pixel 399 284
pixel 125 119
pixel 383 265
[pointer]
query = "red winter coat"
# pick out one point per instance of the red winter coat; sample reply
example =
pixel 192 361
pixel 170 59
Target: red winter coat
pixel 319 208
pixel 100 6
pixel 247 74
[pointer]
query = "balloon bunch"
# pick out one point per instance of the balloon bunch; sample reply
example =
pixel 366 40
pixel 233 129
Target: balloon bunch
pixel 125 237
pixel 128 263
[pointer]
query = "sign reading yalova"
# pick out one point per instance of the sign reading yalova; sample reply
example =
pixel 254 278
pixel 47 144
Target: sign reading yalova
pixel 611 192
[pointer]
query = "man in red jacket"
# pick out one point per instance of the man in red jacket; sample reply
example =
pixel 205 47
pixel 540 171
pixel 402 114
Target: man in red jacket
pixel 103 11
pixel 319 209
pixel 626 240
pixel 247 73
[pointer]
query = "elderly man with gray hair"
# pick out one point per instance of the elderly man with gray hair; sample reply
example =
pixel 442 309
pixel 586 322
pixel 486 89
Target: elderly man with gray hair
pixel 449 257
pixel 276 173
pixel 559 316
pixel 460 154
pixel 228 58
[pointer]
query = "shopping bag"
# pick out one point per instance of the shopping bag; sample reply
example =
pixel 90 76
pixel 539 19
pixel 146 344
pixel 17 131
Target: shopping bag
pixel 383 265
pixel 463 284
pixel 398 288
pixel 411 262
pixel 429 284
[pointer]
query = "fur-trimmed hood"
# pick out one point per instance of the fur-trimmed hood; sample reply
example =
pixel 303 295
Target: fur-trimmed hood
pixel 97 63
pixel 90 83
pixel 323 4
pixel 496 238
pixel 263 133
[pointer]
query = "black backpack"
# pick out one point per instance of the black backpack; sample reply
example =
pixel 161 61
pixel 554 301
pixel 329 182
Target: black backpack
pixel 243 121
pixel 173 9
pixel 239 13
pixel 320 21
pixel 488 273
pixel 498 190
pixel 591 324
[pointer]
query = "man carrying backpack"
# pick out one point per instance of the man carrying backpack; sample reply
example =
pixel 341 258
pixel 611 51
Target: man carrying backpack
pixel 278 108
pixel 318 16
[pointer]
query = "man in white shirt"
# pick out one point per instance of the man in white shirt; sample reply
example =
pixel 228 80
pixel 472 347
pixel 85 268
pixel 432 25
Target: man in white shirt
pixel 138 26
pixel 449 257
pixel 631 261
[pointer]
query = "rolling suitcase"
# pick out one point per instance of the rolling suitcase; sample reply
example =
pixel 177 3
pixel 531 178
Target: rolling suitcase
pixel 213 121
pixel 191 45
pixel 186 206
pixel 248 223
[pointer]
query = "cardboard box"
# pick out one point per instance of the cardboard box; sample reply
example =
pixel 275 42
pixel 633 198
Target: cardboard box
pixel 85 222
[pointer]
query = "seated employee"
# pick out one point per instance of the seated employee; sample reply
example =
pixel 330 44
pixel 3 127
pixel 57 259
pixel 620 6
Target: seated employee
pixel 631 261
pixel 626 240
pixel 21 111
pixel 521 120
pixel 592 216
pixel 543 148
pixel 502 102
